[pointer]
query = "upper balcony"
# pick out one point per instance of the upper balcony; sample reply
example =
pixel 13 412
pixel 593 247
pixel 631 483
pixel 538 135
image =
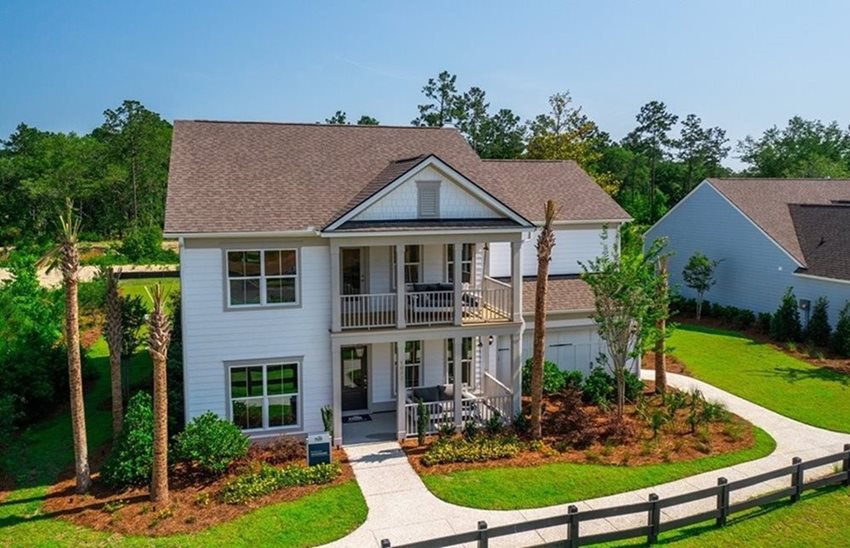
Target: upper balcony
pixel 445 284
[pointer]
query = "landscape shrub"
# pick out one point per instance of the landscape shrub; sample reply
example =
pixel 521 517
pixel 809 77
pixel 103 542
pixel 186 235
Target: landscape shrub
pixel 211 443
pixel 841 337
pixel 133 316
pixel 634 386
pixel 553 378
pixel 745 319
pixel 8 418
pixel 818 331
pixel 266 479
pixel 571 422
pixel 131 458
pixel 174 370
pixel 763 321
pixel 573 380
pixel 494 425
pixel 785 325
pixel 281 450
pixel 423 421
pixel 144 244
pixel 477 449
pixel 521 424
pixel 598 387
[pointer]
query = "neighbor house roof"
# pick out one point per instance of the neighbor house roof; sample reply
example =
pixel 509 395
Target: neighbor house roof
pixel 766 202
pixel 227 177
pixel 824 235
pixel 563 294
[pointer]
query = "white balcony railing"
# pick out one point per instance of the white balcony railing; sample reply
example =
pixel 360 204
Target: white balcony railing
pixel 365 311
pixel 479 409
pixel 430 307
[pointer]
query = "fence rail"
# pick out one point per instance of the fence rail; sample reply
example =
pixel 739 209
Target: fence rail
pixel 653 507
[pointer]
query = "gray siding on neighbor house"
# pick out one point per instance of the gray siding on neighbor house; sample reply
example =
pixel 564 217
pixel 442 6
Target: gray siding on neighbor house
pixel 754 272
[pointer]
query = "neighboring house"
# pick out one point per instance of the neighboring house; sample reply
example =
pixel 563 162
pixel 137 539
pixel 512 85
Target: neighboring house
pixel 770 234
pixel 360 267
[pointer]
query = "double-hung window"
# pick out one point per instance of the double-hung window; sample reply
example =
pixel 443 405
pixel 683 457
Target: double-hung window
pixel 466 259
pixel 465 361
pixel 412 264
pixel 262 277
pixel 413 369
pixel 264 396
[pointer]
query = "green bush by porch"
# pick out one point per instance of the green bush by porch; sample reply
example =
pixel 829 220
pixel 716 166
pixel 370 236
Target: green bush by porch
pixel 558 483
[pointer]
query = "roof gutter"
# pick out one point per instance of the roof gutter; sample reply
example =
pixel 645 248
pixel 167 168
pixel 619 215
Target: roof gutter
pixel 275 234
pixel 822 278
pixel 360 234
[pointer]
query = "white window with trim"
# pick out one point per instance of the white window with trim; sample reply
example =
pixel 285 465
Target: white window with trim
pixel 264 396
pixel 467 259
pixel 412 265
pixel 413 365
pixel 262 277
pixel 466 361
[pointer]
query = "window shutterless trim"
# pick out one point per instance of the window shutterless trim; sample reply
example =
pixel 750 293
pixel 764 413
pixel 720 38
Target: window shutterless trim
pixel 265 363
pixel 262 305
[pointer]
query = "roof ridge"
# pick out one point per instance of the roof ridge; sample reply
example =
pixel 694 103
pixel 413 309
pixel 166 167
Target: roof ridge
pixel 313 124
pixel 529 160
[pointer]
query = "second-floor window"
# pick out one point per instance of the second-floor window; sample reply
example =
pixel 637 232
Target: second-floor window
pixel 412 265
pixel 466 260
pixel 262 277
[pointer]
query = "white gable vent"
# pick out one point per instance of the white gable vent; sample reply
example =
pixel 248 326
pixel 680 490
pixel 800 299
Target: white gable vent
pixel 429 199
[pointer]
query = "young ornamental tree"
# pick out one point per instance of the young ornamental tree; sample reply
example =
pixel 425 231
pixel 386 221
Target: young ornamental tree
pixel 545 244
pixel 625 292
pixel 159 335
pixel 841 337
pixel 785 325
pixel 699 276
pixel 663 312
pixel 818 331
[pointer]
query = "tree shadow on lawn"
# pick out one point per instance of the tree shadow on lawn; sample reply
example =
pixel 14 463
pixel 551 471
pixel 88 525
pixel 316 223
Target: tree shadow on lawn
pixel 792 375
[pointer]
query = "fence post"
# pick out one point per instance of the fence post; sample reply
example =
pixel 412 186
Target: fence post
pixel 654 519
pixel 846 466
pixel 796 479
pixel 572 524
pixel 483 536
pixel 722 502
pixel 385 543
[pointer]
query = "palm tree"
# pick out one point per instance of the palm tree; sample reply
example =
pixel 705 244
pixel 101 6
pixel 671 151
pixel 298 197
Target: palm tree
pixel 159 335
pixel 545 243
pixel 114 339
pixel 69 262
pixel 661 329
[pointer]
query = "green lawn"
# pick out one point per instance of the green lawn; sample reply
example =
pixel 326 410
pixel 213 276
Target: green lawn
pixel 39 454
pixel 136 286
pixel 819 519
pixel 558 483
pixel 764 375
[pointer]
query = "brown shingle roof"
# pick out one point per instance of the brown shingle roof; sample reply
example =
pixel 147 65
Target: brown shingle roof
pixel 564 294
pixel 766 201
pixel 824 235
pixel 270 177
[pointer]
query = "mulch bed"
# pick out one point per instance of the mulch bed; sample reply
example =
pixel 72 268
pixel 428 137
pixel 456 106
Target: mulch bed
pixel 635 448
pixel 194 505
pixel 671 363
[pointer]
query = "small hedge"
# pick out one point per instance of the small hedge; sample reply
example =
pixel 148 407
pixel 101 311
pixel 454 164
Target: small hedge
pixel 131 460
pixel 211 443
pixel 478 449
pixel 553 377
pixel 267 479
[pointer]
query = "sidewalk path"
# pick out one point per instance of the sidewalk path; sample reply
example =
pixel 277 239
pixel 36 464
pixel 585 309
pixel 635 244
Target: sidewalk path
pixel 88 273
pixel 402 509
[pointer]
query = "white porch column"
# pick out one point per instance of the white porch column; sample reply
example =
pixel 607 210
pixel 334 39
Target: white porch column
pixel 401 320
pixel 336 365
pixel 457 354
pixel 401 392
pixel 516 280
pixel 458 284
pixel 336 318
pixel 516 370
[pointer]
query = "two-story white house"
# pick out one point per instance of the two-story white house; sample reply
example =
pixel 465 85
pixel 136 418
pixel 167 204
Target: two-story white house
pixel 366 268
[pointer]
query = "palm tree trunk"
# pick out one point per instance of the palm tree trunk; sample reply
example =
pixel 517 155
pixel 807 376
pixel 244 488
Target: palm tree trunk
pixel 70 267
pixel 545 243
pixel 159 335
pixel 661 327
pixel 114 339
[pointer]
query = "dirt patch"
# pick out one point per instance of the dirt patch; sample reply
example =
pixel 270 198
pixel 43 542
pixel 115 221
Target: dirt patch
pixel 630 443
pixel 194 503
pixel 7 485
pixel 90 336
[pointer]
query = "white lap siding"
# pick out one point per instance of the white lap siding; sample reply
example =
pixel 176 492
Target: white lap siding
pixel 571 246
pixel 213 335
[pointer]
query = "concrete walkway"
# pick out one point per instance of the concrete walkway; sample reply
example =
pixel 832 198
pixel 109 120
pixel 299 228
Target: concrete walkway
pixel 402 509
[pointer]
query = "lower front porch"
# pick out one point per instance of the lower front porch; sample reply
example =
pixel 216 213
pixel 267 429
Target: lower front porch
pixel 379 384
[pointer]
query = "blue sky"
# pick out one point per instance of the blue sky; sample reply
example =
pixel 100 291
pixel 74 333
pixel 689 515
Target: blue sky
pixel 743 65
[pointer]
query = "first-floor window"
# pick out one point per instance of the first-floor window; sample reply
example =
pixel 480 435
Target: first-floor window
pixel 465 361
pixel 412 363
pixel 264 395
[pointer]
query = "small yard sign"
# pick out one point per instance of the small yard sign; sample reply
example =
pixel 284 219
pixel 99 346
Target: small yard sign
pixel 318 449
